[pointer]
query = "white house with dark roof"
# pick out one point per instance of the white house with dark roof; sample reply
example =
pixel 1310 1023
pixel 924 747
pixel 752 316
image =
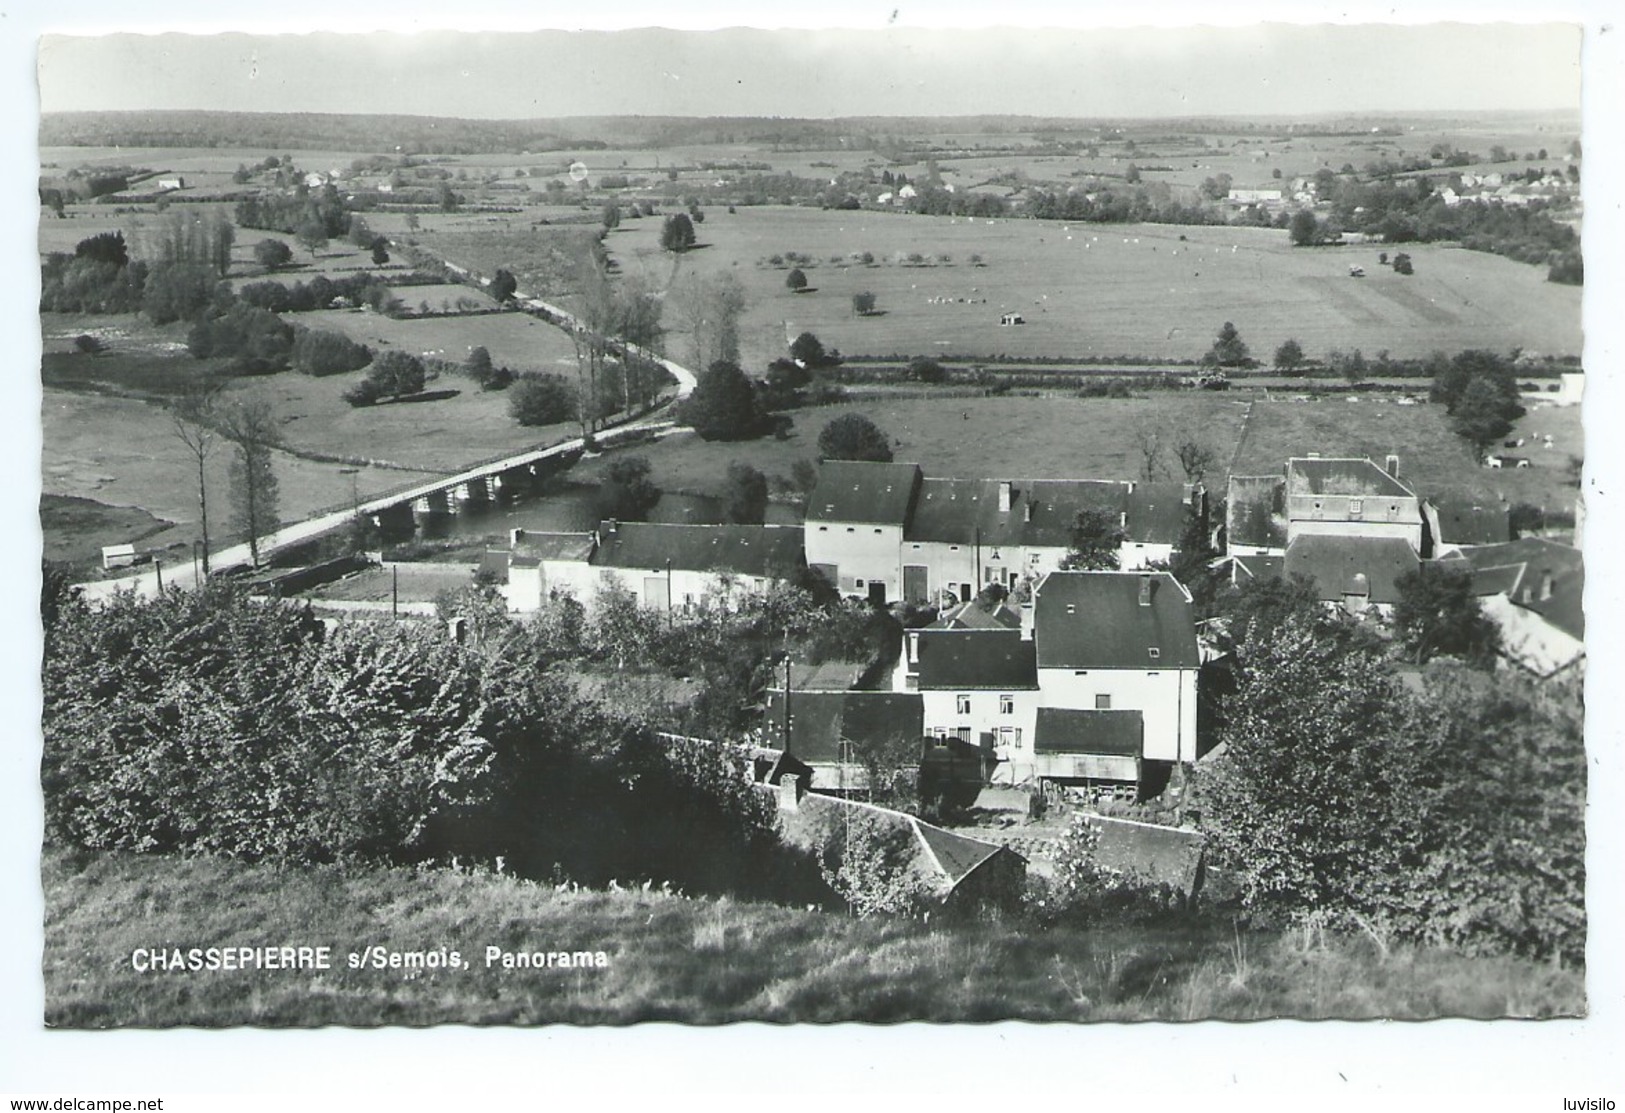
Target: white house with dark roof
pixel 886 531
pixel 1121 643
pixel 979 686
pixel 1534 589
pixel 663 566
pixel 1350 497
pixel 854 526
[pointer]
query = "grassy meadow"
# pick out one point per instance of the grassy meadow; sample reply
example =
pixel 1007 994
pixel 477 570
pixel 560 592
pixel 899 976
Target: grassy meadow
pixel 703 961
pixel 1097 291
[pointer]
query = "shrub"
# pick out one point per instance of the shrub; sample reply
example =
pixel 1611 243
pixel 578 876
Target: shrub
pixel 320 352
pixel 272 254
pixel 537 399
pixel 89 344
pixel 854 437
pixel 924 369
pixel 724 406
pixel 872 863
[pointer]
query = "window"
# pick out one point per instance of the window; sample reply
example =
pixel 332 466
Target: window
pixel 1007 737
pixel 963 734
pixel 823 529
pixel 962 704
pixel 1103 702
pixel 1356 508
pixel 851 529
pixel 1018 738
pixel 857 581
pixel 1155 653
pixel 1007 705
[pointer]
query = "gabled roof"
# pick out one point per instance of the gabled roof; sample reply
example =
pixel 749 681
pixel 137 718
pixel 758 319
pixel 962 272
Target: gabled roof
pixel 856 491
pixel 531 546
pixel 1062 730
pixel 1355 476
pixel 960 659
pixel 1539 575
pixel 1094 620
pixel 1157 512
pixel 956 855
pixel 1042 511
pixel 819 721
pixel 743 550
pixel 1348 565
pixel 1255 511
pixel 971 616
pixel 1466 522
pixel 1257 568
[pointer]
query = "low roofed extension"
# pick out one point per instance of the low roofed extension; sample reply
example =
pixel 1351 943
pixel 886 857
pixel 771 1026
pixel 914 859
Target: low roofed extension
pixel 762 551
pixel 1062 730
pixel 1458 521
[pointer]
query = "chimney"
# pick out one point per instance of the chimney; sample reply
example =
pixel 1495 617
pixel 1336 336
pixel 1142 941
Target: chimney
pixel 1393 465
pixel 913 647
pixel 1027 507
pixel 789 792
pixel 1004 496
pixel 1546 580
pixel 611 525
pixel 1145 591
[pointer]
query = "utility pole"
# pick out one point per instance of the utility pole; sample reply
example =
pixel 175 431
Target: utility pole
pixel 394 591
pixel 158 569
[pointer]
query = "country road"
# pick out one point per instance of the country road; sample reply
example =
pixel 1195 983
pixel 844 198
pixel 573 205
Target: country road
pixel 148 581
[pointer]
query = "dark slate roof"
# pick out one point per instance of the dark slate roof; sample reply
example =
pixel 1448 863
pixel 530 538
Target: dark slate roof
pixel 1347 476
pixel 1521 568
pixel 1042 511
pixel 530 546
pixel 1255 511
pixel 743 550
pixel 853 491
pixel 1156 513
pixel 820 720
pixel 1465 522
pixel 1339 566
pixel 1258 568
pixel 1094 620
pixel 960 659
pixel 970 616
pixel 828 676
pixel 957 855
pixel 1062 730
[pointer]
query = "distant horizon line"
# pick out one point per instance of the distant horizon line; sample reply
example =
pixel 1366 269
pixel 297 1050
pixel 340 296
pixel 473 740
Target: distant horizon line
pixel 1375 113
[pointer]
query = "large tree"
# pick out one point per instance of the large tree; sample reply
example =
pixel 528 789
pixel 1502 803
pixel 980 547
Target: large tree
pixel 677 234
pixel 1289 356
pixel 193 417
pixel 745 499
pixel 1304 230
pixel 854 437
pixel 1437 613
pixel 1228 350
pixel 724 406
pixel 1095 542
pixel 250 426
pixel 1481 416
pixel 627 492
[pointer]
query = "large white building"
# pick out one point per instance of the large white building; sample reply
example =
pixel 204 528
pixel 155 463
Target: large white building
pixel 888 532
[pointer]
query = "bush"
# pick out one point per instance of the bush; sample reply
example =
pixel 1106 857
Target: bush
pixel 537 399
pixel 320 352
pixel 724 406
pixel 88 344
pixel 796 280
pixel 854 437
pixel 272 254
pixel 924 369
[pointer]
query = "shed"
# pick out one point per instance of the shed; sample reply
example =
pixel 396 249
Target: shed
pixel 118 556
pixel 1012 319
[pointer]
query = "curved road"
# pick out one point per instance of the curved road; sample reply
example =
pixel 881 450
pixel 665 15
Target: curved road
pixel 146 581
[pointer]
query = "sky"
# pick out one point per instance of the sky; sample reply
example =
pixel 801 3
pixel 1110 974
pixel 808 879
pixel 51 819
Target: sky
pixel 900 70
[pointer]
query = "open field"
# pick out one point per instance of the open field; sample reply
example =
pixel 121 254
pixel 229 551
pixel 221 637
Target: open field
pixel 702 961
pixel 1103 290
pixel 1096 438
pixel 515 340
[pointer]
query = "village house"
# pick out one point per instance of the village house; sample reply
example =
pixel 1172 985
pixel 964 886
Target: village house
pixel 1534 590
pixel 1357 573
pixel 663 566
pixel 831 730
pixel 886 531
pixel 1122 647
pixel 1328 497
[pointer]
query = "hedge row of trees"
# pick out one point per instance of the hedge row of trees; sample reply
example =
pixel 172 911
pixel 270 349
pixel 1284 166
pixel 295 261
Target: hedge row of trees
pixel 206 721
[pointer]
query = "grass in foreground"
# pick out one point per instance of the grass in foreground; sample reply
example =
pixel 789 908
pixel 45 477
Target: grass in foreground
pixel 692 960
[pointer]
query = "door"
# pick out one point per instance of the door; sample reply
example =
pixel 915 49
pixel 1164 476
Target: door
pixel 915 587
pixel 877 592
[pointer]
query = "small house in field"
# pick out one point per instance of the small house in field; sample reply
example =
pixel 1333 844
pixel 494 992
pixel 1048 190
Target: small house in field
pixel 1012 319
pixel 171 183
